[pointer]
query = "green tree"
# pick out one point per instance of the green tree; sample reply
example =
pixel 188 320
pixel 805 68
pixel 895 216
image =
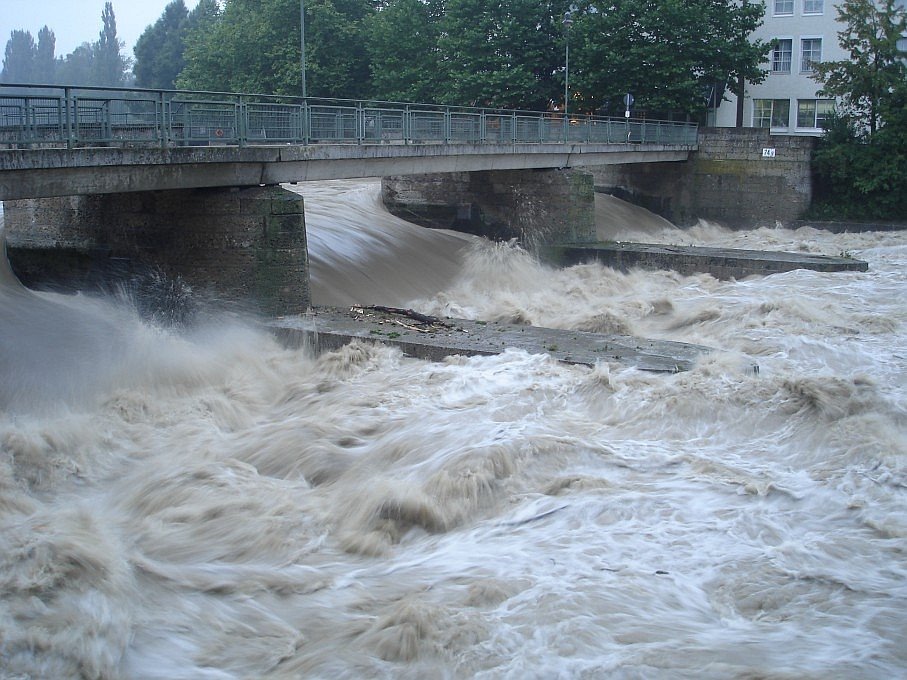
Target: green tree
pixel 203 67
pixel 403 49
pixel 876 67
pixel 109 67
pixel 254 46
pixel 77 68
pixel 500 54
pixel 45 64
pixel 159 50
pixel 337 62
pixel 860 163
pixel 667 53
pixel 19 58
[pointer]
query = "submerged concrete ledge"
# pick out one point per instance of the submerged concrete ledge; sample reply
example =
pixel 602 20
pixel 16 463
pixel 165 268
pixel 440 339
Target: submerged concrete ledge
pixel 434 338
pixel 722 263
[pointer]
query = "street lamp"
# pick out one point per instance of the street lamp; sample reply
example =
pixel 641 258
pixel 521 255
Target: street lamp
pixel 302 41
pixel 568 22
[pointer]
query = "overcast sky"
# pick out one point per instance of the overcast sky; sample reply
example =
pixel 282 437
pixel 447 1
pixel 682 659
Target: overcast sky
pixel 76 21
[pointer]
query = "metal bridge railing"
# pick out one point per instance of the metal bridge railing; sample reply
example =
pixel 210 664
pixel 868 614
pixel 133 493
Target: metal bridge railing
pixel 53 116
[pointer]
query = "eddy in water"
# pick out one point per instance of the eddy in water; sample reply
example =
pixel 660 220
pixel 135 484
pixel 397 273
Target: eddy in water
pixel 214 505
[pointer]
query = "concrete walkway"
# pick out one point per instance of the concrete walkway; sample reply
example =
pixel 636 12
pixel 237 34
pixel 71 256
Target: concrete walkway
pixel 433 338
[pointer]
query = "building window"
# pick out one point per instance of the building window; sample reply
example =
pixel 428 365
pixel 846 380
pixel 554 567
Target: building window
pixel 781 56
pixel 784 7
pixel 813 6
pixel 812 113
pixel 771 113
pixel 810 53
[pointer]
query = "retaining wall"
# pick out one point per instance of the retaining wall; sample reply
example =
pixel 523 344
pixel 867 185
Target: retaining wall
pixel 739 177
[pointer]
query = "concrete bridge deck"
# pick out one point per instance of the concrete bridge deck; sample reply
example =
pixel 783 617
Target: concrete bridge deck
pixel 43 173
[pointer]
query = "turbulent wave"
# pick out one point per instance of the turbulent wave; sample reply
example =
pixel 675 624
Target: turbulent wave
pixel 209 504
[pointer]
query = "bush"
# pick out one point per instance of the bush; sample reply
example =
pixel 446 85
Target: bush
pixel 857 177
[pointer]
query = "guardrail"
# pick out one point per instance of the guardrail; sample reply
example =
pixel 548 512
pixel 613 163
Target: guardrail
pixel 53 116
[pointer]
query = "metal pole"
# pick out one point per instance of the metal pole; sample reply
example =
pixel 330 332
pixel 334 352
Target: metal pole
pixel 302 42
pixel 568 22
pixel 567 75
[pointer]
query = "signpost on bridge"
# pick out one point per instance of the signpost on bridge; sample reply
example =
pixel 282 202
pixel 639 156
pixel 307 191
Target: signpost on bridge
pixel 628 102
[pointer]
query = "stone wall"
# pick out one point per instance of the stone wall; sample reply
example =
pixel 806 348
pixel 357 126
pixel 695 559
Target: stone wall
pixel 232 244
pixel 537 207
pixel 730 180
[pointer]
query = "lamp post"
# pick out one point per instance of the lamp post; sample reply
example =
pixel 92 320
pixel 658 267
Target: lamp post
pixel 302 41
pixel 568 22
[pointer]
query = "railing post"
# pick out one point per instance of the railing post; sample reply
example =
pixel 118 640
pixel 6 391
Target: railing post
pixel 446 130
pixel 107 122
pixel 360 123
pixel 69 106
pixel 240 121
pixel 164 129
pixel 407 124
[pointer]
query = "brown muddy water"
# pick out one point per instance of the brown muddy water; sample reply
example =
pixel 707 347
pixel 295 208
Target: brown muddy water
pixel 205 503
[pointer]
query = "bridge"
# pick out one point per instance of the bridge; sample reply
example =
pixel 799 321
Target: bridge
pixel 212 162
pixel 61 141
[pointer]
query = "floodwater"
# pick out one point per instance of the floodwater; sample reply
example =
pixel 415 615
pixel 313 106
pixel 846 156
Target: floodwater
pixel 203 503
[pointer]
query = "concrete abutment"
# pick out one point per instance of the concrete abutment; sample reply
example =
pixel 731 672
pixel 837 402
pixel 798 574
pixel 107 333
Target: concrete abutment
pixel 741 178
pixel 246 244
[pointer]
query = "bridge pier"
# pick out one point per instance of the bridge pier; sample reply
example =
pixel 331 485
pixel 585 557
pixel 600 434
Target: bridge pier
pixel 538 207
pixel 244 244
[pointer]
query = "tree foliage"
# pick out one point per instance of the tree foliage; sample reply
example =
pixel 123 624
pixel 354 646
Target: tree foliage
pixel 667 53
pixel 19 58
pixel 110 65
pixel 875 67
pixel 336 48
pixel 403 51
pixel 254 46
pixel 98 63
pixel 505 53
pixel 159 50
pixel 861 160
pixel 499 54
pixel 44 56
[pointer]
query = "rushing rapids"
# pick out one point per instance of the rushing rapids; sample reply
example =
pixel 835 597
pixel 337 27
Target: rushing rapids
pixel 205 503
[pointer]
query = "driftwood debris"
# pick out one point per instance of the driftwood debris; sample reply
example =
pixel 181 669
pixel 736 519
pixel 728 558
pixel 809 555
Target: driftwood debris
pixel 425 322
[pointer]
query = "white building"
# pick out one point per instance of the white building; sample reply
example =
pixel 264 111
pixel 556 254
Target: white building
pixel 787 101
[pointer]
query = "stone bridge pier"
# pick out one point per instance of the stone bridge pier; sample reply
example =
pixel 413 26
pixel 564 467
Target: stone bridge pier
pixel 538 207
pixel 243 245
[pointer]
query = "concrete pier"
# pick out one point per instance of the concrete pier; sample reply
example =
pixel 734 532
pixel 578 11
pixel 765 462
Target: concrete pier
pixel 538 207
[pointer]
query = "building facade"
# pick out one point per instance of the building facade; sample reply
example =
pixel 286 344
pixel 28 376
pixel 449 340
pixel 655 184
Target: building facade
pixel 787 101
